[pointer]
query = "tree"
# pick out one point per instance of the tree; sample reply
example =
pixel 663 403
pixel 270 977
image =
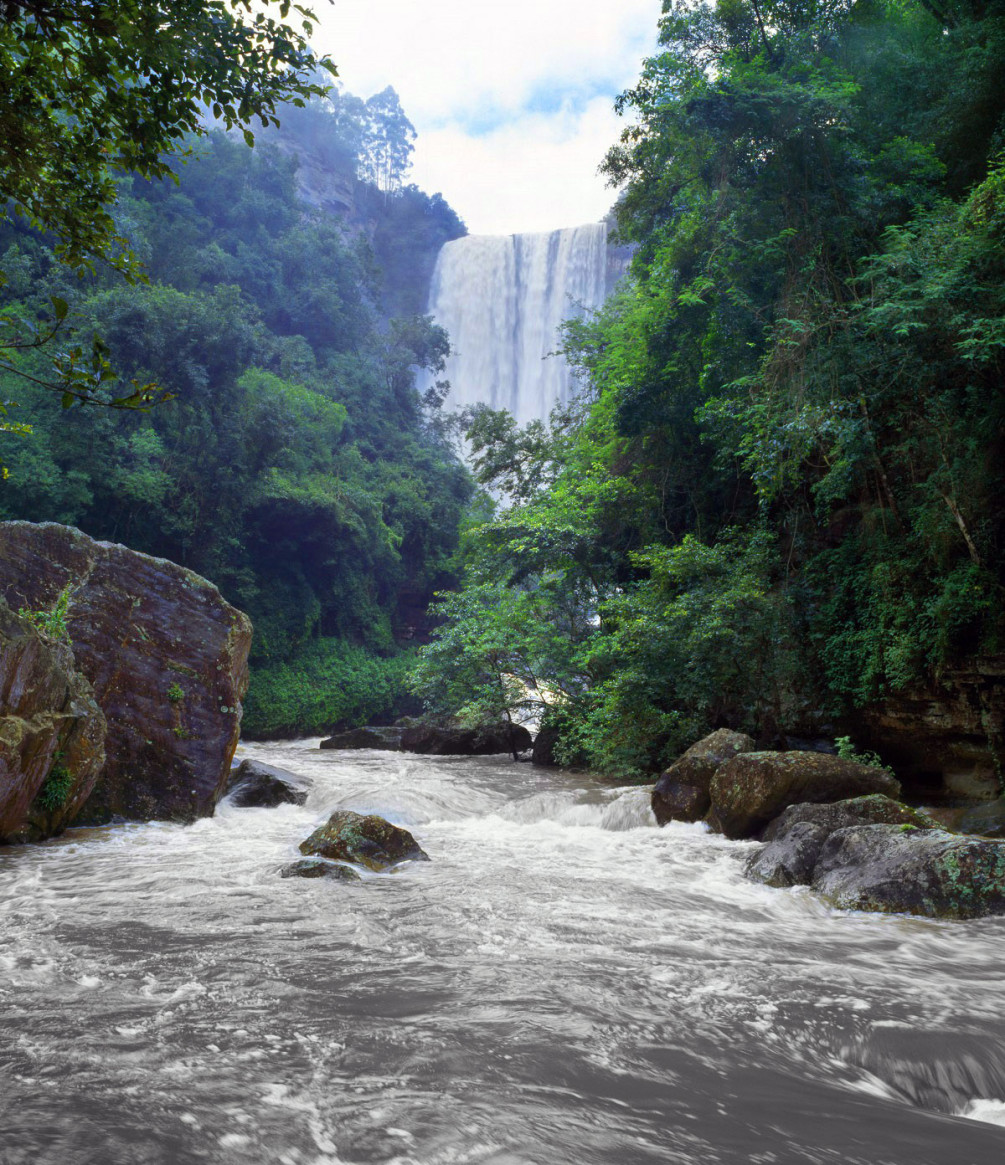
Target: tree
pixel 90 92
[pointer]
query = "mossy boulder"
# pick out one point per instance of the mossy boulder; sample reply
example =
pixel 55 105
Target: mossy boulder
pixel 319 868
pixel 682 792
pixel 52 733
pixel 753 788
pixel 901 869
pixel 165 655
pixel 366 840
pixel 256 785
pixel 796 837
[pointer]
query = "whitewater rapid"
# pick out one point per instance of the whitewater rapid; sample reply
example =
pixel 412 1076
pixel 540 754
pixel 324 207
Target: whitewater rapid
pixel 563 982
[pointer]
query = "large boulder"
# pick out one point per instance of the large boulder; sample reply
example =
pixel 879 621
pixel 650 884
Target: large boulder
pixel 166 656
pixel 682 792
pixel 796 837
pixel 254 785
pixel 52 733
pixel 753 788
pixel 386 739
pixel 900 869
pixel 364 840
pixel 435 740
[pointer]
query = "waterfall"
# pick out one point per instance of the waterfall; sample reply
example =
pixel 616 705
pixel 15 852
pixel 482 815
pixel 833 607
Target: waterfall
pixel 502 298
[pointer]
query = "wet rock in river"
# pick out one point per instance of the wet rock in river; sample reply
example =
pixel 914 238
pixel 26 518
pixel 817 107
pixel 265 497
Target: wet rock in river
pixel 256 785
pixel 750 790
pixel 682 792
pixel 796 837
pixel 364 840
pixel 166 656
pixel 387 739
pixel 52 733
pixel 436 740
pixel 319 868
pixel 901 869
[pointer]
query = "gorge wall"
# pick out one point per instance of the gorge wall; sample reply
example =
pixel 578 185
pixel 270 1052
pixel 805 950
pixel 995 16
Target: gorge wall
pixel 502 299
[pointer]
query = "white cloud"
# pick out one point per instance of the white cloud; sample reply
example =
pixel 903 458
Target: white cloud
pixel 512 102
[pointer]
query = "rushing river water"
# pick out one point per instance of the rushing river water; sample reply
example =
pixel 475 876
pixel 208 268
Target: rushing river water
pixel 562 983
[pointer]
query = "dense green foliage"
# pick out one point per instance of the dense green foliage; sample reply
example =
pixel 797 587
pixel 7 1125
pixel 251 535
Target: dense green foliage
pixel 779 497
pixel 89 92
pixel 296 466
pixel 330 682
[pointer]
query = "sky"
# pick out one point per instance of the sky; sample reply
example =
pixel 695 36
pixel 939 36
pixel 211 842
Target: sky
pixel 512 101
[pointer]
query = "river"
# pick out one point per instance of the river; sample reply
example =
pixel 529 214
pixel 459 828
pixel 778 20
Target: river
pixel 562 983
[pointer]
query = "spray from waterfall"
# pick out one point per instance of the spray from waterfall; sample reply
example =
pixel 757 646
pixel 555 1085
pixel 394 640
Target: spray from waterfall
pixel 502 299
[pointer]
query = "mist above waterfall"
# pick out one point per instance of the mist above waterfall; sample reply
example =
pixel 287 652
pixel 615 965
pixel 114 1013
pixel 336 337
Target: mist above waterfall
pixel 502 299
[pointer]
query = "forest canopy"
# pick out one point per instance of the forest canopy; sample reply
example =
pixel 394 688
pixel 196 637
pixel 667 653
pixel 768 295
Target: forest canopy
pixel 778 498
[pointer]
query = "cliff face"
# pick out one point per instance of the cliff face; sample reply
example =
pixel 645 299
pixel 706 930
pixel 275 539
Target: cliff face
pixel 52 733
pixel 947 741
pixel 166 657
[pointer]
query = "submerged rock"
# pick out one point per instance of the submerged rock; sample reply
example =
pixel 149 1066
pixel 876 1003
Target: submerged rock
pixel 52 733
pixel 682 792
pixel 796 838
pixel 388 739
pixel 256 785
pixel 753 788
pixel 365 840
pixel 166 656
pixel 905 870
pixel 319 868
pixel 434 740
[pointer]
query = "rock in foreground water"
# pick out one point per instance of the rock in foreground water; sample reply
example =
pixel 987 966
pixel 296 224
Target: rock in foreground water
pixel 796 838
pixel 167 658
pixel 900 869
pixel 256 785
pixel 52 733
pixel 319 868
pixel 365 840
pixel 682 792
pixel 750 790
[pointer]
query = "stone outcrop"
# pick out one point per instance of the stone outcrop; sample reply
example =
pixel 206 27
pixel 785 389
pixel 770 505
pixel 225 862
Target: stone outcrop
pixel 320 868
pixel 52 733
pixel 434 740
pixel 165 655
pixel 795 839
pixel 753 788
pixel 945 740
pixel 253 785
pixel 386 739
pixel 682 792
pixel 543 753
pixel 368 841
pixel 899 869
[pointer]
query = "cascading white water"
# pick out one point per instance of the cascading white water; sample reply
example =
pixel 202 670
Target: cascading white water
pixel 502 299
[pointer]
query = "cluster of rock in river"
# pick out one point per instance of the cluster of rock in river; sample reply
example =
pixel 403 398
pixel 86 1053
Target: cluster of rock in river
pixel 836 825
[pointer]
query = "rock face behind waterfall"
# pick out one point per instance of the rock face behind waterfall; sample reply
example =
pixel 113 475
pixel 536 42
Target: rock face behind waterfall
pixel 502 299
pixel 166 657
pixel 52 733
